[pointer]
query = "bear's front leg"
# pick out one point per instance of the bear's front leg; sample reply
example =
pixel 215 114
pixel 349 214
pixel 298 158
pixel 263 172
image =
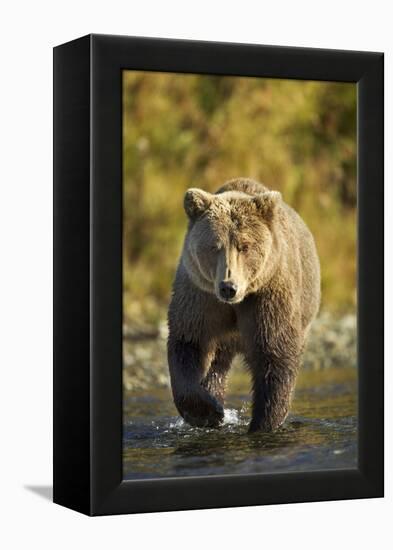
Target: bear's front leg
pixel 273 382
pixel 215 380
pixel 194 403
pixel 272 342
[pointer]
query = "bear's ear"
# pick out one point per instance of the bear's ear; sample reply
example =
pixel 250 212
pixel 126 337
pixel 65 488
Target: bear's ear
pixel 266 203
pixel 196 202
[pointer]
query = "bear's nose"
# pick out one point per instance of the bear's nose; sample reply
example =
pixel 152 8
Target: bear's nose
pixel 227 290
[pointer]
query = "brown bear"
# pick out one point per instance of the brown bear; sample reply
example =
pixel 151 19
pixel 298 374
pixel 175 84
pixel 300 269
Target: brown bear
pixel 248 282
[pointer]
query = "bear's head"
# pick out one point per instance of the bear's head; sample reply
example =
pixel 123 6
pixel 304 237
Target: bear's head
pixel 229 241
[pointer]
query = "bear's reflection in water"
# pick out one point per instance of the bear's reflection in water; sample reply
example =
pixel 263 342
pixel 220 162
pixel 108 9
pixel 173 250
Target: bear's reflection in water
pixel 321 433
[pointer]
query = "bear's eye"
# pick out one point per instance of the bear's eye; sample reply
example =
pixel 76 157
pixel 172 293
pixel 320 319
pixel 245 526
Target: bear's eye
pixel 243 248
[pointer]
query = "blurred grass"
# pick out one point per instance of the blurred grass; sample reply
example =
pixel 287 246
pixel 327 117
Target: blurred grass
pixel 183 130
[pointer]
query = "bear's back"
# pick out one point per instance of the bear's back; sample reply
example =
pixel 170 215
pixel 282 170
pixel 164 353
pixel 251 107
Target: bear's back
pixel 243 185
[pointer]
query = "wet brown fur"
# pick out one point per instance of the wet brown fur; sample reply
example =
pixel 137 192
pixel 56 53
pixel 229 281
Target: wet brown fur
pixel 247 235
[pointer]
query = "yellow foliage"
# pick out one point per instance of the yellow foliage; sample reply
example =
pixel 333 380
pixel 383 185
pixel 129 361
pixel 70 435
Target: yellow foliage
pixel 183 131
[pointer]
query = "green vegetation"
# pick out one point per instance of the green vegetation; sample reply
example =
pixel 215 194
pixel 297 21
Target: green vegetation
pixel 191 130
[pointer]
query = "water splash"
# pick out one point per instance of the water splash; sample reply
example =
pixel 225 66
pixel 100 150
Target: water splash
pixel 232 416
pixel 178 423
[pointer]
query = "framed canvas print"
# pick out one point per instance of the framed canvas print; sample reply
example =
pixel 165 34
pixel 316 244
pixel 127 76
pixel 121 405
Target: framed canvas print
pixel 218 275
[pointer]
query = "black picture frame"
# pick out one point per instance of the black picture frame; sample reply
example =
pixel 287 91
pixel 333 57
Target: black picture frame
pixel 88 274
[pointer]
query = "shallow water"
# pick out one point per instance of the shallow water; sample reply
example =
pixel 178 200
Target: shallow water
pixel 320 432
